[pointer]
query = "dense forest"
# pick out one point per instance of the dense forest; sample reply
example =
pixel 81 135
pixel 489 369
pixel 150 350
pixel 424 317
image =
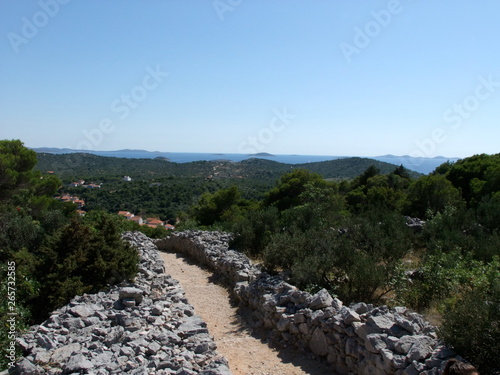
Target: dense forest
pixel 364 230
pixel 164 189
pixel 76 165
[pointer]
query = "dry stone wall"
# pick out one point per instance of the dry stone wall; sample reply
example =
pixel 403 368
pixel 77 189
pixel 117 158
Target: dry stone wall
pixel 146 327
pixel 356 339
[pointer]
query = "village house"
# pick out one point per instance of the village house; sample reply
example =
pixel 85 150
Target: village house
pixel 126 214
pixel 130 216
pixel 137 219
pixel 79 203
pixel 153 222
pixel 73 199
pixel 77 183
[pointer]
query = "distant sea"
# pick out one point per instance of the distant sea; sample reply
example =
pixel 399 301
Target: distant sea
pixel 422 165
pixel 187 157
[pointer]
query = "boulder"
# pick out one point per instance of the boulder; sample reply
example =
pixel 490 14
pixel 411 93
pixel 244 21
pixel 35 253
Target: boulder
pixel 132 292
pixel 78 363
pixel 62 354
pixel 321 300
pixel 421 349
pixel 81 311
pixel 349 316
pixel 375 342
pixel 318 343
pixel 283 324
pixel 382 323
pixel 192 326
pixel 25 367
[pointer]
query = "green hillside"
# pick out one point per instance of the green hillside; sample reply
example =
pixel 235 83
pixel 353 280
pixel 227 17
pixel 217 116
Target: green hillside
pixel 68 166
pixel 348 168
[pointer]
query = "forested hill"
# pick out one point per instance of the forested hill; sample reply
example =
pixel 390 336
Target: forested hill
pixel 87 165
pixel 349 167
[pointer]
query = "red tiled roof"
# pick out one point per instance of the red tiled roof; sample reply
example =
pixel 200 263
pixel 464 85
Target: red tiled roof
pixel 154 222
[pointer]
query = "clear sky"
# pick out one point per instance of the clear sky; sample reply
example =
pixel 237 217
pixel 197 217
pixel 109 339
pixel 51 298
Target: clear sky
pixel 323 77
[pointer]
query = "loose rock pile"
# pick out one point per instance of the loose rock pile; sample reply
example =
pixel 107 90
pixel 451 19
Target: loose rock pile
pixel 359 339
pixel 146 327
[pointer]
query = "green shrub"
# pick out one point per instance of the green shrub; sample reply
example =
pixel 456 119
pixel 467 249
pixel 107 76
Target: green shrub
pixel 82 259
pixel 357 265
pixel 254 232
pixel 472 323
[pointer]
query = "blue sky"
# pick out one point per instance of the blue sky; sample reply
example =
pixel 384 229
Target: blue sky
pixel 238 76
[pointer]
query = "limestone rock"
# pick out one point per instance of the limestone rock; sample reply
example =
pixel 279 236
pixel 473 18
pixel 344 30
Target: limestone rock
pixel 318 343
pixel 78 363
pixel 25 367
pixel 62 354
pixel 81 311
pixel 349 316
pixel 321 300
pixel 375 342
pixel 383 323
pixel 132 292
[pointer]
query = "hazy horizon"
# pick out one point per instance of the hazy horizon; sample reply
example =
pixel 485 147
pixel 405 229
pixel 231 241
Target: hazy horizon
pixel 395 77
pixel 234 153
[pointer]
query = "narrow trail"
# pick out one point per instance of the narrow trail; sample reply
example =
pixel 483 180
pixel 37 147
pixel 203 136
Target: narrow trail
pixel 247 352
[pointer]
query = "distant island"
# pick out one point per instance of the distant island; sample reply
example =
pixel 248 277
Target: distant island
pixel 162 158
pixel 265 154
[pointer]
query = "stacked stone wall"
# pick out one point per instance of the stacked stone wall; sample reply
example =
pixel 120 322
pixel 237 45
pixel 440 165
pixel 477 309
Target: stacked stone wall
pixel 145 327
pixel 355 339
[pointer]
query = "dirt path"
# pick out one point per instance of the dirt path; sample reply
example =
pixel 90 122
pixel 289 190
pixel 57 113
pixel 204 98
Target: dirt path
pixel 247 352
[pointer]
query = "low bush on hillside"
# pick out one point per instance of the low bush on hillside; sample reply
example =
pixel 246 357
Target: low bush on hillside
pixel 472 322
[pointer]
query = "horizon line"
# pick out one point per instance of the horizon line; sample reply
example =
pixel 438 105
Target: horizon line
pixel 236 153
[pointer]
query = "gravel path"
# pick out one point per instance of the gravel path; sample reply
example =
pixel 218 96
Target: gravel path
pixel 246 350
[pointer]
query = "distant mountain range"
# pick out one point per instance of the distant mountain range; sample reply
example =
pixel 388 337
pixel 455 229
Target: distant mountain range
pixel 421 165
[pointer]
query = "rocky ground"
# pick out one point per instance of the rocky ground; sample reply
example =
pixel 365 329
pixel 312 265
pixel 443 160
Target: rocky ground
pixel 247 349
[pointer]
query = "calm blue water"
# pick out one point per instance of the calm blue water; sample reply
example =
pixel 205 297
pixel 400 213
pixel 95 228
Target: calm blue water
pixel 181 157
pixel 422 165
